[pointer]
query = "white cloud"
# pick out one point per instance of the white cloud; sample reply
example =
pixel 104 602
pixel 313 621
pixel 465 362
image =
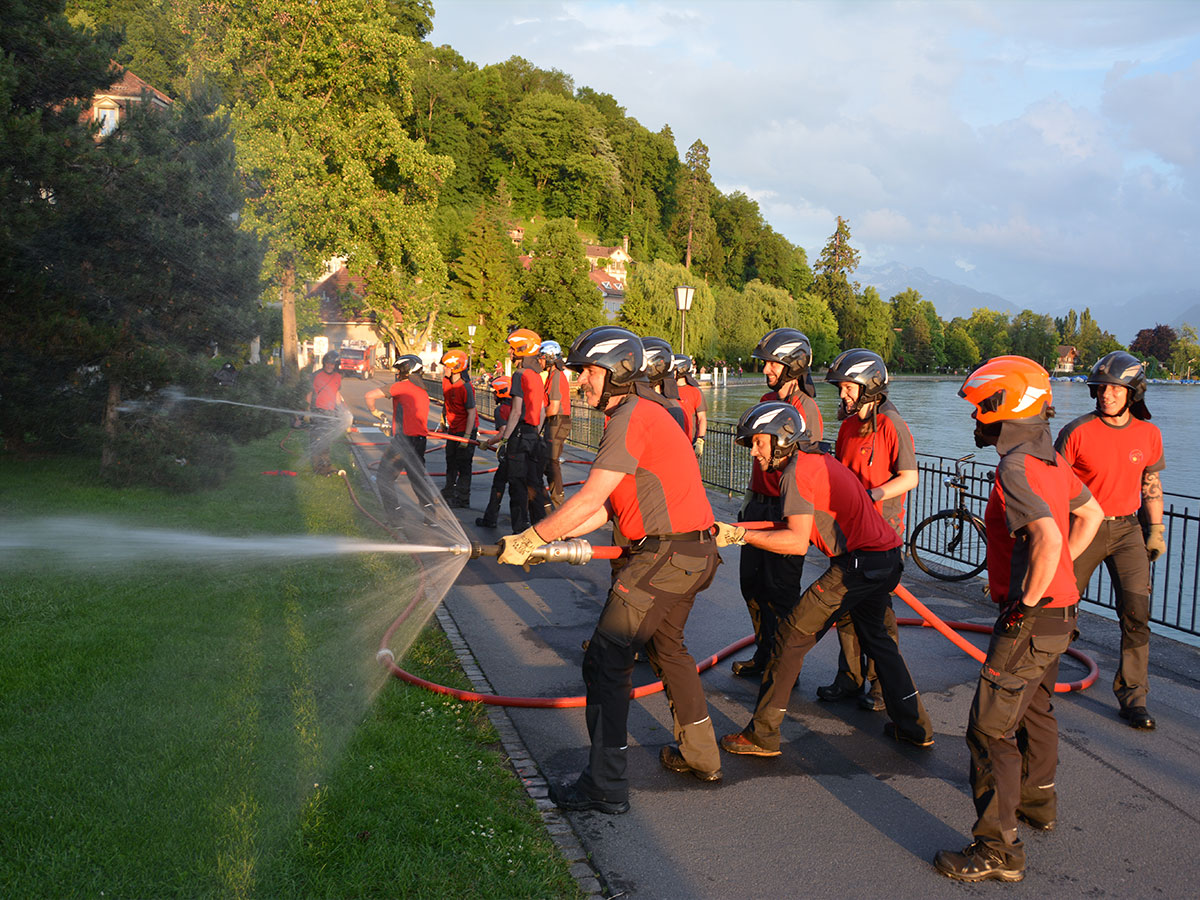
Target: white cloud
pixel 964 265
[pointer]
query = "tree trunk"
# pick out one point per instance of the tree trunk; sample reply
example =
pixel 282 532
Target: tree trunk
pixel 111 414
pixel 290 373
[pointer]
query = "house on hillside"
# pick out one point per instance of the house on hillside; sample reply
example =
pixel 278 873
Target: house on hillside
pixel 612 290
pixel 112 106
pixel 1066 358
pixel 613 260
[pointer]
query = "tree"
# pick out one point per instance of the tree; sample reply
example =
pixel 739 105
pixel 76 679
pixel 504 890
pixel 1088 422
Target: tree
pixel 873 320
pixel 1157 342
pixel 961 351
pixel 1091 341
pixel 816 320
pixel 330 169
pixel 832 283
pixel 1035 337
pixel 694 231
pixel 560 300
pixel 989 330
pixel 649 309
pixel 1185 358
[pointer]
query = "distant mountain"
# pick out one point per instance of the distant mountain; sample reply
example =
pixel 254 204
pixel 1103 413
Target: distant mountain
pixel 1172 308
pixel 948 297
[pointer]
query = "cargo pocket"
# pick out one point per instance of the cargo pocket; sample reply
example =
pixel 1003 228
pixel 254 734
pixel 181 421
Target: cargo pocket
pixel 623 613
pixel 680 574
pixel 998 702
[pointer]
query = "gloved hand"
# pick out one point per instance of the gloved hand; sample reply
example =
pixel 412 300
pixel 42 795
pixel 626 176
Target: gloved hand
pixel 729 534
pixel 698 446
pixel 379 414
pixel 1156 544
pixel 1010 617
pixel 515 549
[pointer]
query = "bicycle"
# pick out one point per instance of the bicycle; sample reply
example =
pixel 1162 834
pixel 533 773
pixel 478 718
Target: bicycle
pixel 951 544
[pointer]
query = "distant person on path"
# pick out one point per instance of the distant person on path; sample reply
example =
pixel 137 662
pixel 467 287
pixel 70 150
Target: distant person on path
pixel 695 408
pixel 524 444
pixel 502 388
pixel 406 451
pixel 646 478
pixel 876 445
pixel 770 581
pixel 325 396
pixel 1039 516
pixel 558 417
pixel 1118 454
pixel 822 504
pixel 459 417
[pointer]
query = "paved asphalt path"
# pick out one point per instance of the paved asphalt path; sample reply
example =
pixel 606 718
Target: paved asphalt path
pixel 844 812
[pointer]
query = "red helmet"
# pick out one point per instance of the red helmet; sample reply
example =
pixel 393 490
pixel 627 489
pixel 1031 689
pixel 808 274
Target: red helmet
pixel 1008 388
pixel 502 387
pixel 455 361
pixel 524 342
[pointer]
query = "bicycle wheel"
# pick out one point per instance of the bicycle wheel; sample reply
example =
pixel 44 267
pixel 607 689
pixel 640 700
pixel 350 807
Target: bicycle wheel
pixel 950 545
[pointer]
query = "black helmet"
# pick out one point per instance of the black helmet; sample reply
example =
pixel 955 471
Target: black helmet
pixel 783 422
pixel 1125 369
pixel 609 347
pixel 864 368
pixel 331 357
pixel 656 358
pixel 681 364
pixel 789 347
pixel 409 364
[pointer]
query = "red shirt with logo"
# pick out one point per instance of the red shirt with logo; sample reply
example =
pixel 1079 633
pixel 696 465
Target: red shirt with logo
pixel 661 492
pixel 877 455
pixel 1029 488
pixel 844 518
pixel 767 483
pixel 410 407
pixel 527 384
pixel 692 401
pixel 1112 459
pixel 325 389
pixel 458 399
pixel 558 388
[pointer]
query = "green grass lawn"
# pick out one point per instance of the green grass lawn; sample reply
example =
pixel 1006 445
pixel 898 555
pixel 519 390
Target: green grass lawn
pixel 175 727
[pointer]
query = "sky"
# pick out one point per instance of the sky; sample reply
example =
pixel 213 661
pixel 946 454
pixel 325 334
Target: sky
pixel 1048 152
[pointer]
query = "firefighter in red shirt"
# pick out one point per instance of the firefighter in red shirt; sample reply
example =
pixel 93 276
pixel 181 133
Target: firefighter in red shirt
pixel 406 451
pixel 459 417
pixel 823 504
pixel 646 478
pixel 1038 517
pixel 326 396
pixel 522 434
pixel 770 581
pixel 695 408
pixel 502 388
pixel 1118 454
pixel 558 417
pixel 875 444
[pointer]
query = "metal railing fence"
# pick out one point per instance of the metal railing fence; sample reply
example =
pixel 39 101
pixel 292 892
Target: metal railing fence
pixel 725 466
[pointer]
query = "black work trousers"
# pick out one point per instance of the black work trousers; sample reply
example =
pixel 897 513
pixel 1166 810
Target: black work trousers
pixel 459 458
pixel 1120 546
pixel 859 584
pixel 557 430
pixel 648 606
pixel 770 582
pixel 855 668
pixel 528 501
pixel 499 482
pixel 405 454
pixel 1012 733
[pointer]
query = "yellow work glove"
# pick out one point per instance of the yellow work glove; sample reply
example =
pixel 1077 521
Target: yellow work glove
pixel 729 534
pixel 698 446
pixel 516 549
pixel 379 414
pixel 1156 544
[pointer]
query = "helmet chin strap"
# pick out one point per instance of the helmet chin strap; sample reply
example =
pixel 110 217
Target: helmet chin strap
pixel 612 390
pixel 1118 413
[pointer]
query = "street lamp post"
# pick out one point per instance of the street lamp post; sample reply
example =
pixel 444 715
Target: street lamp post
pixel 683 302
pixel 470 345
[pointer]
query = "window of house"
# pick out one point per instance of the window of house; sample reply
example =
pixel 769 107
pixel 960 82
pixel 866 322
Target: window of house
pixel 106 117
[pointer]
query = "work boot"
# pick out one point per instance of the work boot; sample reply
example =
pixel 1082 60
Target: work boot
pixel 747 668
pixel 740 745
pixel 1138 717
pixel 891 730
pixel 572 797
pixel 672 759
pixel 1036 823
pixel 831 693
pixel 977 863
pixel 872 700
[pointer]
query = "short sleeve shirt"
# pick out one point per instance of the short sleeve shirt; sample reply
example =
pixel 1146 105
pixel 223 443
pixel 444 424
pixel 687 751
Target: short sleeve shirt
pixel 558 388
pixel 1028 488
pixel 844 518
pixel 1111 460
pixel 325 389
pixel 767 483
pixel 459 400
pixel 410 407
pixel 692 400
pixel 878 455
pixel 528 386
pixel 661 492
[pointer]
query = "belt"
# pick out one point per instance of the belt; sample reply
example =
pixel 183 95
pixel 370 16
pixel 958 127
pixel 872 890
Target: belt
pixel 1115 518
pixel 651 541
pixel 1056 612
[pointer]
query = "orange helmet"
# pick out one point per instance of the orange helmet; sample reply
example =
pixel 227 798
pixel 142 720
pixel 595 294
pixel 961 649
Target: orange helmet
pixel 1006 388
pixel 455 361
pixel 502 387
pixel 524 342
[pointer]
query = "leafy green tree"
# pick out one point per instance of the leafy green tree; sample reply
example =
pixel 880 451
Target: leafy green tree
pixel 739 226
pixel 1092 341
pixel 775 260
pixel 874 320
pixel 330 169
pixel 989 331
pixel 831 282
pixel 693 230
pixel 816 319
pixel 560 301
pixel 1034 336
pixel 962 353
pixel 738 324
pixel 1185 357
pixel 1157 342
pixel 649 309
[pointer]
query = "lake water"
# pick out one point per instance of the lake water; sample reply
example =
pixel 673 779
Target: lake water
pixel 941 420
